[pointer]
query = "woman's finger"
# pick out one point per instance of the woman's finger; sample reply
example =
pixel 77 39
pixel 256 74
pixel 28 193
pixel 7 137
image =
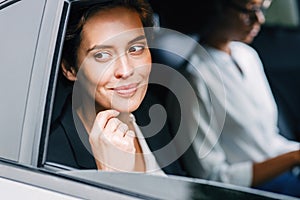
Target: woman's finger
pixel 130 134
pixel 101 120
pixel 112 125
pixel 123 128
pixel 129 140
pixel 118 135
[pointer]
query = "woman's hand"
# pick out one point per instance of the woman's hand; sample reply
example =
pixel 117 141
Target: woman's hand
pixel 112 143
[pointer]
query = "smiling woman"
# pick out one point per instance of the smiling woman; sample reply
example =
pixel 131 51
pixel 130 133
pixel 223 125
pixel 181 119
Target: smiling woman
pixel 107 57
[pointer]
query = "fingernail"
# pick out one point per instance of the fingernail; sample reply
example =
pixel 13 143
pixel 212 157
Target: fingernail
pixel 116 112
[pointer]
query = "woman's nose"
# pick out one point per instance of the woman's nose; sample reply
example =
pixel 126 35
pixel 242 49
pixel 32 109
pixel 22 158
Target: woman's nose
pixel 123 68
pixel 260 17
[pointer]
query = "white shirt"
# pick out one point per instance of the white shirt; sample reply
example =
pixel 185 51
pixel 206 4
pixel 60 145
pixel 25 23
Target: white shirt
pixel 238 116
pixel 150 162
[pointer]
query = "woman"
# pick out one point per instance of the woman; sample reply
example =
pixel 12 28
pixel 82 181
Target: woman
pixel 238 140
pixel 106 54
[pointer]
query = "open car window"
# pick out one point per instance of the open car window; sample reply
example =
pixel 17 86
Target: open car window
pixel 31 48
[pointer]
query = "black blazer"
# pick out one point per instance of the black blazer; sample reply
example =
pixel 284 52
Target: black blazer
pixel 66 147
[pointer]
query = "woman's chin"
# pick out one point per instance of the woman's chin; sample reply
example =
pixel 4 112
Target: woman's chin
pixel 249 39
pixel 126 107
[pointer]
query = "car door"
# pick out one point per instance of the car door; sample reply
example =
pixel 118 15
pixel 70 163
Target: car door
pixel 30 49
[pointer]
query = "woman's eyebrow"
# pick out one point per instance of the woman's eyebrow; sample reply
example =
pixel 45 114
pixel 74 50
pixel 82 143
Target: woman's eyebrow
pixel 95 47
pixel 141 37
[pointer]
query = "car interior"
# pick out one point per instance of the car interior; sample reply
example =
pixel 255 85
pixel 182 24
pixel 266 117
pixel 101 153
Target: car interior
pixel 281 74
pixel 278 44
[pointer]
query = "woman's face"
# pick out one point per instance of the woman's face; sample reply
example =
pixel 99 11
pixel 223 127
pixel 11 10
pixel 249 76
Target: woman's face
pixel 243 19
pixel 114 60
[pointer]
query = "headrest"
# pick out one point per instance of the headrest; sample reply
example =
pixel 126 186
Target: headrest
pixel 284 13
pixel 172 48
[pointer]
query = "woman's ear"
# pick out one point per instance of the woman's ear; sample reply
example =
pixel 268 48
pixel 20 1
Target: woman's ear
pixel 68 72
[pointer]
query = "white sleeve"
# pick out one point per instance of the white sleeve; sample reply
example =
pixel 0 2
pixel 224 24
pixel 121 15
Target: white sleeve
pixel 211 156
pixel 211 162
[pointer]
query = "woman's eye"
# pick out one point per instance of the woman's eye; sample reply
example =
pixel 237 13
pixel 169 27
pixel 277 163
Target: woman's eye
pixel 136 50
pixel 102 56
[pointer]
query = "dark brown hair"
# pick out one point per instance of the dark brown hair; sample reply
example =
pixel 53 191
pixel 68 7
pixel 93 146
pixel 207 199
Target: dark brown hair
pixel 81 13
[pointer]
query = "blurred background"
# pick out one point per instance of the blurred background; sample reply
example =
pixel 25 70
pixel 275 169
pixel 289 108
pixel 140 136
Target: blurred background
pixel 278 45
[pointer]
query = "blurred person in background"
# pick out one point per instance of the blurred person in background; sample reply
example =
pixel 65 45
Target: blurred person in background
pixel 245 148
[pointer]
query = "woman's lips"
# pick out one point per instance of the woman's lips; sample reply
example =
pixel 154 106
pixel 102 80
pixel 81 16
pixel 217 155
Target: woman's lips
pixel 254 31
pixel 126 90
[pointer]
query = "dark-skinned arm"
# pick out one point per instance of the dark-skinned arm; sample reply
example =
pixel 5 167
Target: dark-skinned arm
pixel 273 167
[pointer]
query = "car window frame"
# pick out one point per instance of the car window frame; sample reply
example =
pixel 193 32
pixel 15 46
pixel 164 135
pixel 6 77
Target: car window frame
pixel 35 151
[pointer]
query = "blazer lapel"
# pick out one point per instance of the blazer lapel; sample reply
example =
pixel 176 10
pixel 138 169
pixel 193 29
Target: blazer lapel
pixel 78 138
pixel 159 143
